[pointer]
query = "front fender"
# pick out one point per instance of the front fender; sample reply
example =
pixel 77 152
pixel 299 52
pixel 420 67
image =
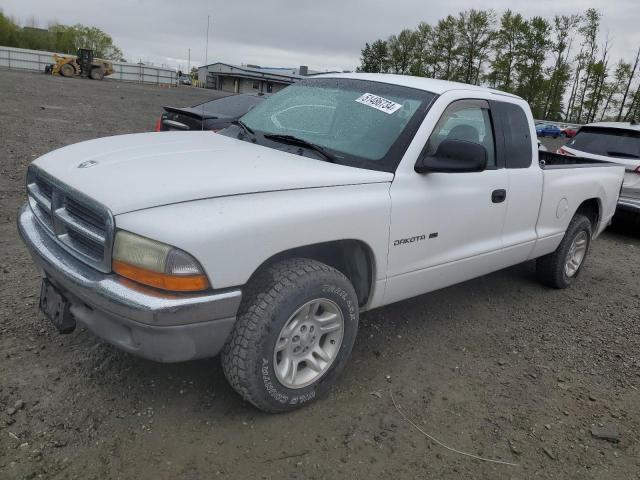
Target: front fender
pixel 232 236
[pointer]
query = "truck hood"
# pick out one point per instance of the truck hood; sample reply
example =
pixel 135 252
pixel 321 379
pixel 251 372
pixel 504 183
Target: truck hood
pixel 133 172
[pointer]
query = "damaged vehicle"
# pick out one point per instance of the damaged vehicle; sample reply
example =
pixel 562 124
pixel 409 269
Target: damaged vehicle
pixel 265 242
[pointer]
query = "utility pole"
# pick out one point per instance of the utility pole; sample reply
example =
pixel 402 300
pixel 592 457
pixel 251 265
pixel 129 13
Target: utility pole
pixel 206 63
pixel 189 64
pixel 206 49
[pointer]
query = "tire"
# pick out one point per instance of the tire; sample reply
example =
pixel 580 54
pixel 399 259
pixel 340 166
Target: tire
pixel 256 348
pixel 96 73
pixel 67 70
pixel 553 269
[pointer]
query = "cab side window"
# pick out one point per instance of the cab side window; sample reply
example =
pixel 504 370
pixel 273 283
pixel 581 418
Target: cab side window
pixel 469 121
pixel 517 135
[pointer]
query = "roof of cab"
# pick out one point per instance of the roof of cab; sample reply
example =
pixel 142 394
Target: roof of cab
pixel 620 125
pixel 428 84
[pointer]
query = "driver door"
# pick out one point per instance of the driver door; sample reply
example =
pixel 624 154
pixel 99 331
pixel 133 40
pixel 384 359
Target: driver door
pixel 447 227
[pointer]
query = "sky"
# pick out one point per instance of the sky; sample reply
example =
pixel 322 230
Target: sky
pixel 324 35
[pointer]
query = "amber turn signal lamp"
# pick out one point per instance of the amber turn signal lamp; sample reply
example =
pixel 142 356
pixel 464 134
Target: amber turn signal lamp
pixel 174 283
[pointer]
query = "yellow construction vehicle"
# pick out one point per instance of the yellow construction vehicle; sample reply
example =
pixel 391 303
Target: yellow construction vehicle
pixel 83 64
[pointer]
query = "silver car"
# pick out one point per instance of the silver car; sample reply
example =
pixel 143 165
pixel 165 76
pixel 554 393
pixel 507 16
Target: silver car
pixel 617 142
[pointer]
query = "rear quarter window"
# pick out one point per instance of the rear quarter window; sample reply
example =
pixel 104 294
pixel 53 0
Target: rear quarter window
pixel 516 134
pixel 610 142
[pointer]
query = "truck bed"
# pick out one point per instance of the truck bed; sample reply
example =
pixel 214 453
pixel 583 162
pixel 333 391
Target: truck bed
pixel 563 192
pixel 551 160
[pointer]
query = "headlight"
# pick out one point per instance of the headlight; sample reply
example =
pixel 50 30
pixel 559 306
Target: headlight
pixel 156 264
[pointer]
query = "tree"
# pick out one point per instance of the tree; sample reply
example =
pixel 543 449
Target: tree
pixel 531 57
pixel 599 77
pixel 380 52
pixel 9 31
pixel 610 90
pixel 530 61
pixel 633 112
pixel 57 38
pixel 446 49
pixel 98 41
pixel 589 30
pixel 630 80
pixel 475 33
pixel 402 51
pixel 580 65
pixel 563 27
pixel 423 55
pixel 64 38
pixel 366 63
pixel 375 57
pixel 506 44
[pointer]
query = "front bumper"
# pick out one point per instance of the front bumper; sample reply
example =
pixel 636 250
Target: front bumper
pixel 149 323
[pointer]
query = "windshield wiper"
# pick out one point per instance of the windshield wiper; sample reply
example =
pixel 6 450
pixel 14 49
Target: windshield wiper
pixel 243 126
pixel 290 139
pixel 613 153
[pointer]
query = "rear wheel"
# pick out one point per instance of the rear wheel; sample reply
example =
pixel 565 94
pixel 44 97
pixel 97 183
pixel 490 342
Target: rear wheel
pixel 294 334
pixel 96 73
pixel 67 70
pixel 560 268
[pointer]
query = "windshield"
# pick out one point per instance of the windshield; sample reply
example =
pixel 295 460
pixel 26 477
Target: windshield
pixel 360 123
pixel 610 142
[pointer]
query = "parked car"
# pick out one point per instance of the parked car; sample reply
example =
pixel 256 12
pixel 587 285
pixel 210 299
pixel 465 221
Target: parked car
pixel 339 194
pixel 568 131
pixel 617 142
pixel 184 80
pixel 547 130
pixel 217 114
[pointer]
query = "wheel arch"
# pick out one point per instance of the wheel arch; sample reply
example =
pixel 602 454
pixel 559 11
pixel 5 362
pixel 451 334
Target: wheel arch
pixel 592 209
pixel 353 258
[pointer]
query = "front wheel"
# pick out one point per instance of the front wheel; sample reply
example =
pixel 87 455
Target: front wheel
pixel 67 70
pixel 294 334
pixel 560 268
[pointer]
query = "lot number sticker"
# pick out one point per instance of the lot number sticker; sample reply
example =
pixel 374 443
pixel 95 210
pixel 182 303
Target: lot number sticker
pixel 379 103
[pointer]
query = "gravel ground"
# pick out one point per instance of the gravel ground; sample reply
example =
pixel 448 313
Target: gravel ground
pixel 498 366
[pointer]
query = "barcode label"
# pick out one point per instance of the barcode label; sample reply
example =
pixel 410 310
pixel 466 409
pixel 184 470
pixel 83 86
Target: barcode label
pixel 379 103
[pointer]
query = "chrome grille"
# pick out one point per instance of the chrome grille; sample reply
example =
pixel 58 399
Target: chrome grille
pixel 82 226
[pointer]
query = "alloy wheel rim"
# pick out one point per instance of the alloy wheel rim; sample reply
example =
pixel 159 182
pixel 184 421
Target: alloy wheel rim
pixel 576 254
pixel 308 343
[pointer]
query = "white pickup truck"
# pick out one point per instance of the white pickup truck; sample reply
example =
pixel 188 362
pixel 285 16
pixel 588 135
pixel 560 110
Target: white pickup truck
pixel 264 242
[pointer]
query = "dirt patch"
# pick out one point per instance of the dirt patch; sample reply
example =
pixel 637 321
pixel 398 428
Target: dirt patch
pixel 499 367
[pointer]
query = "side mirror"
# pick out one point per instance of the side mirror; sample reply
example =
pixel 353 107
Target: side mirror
pixel 454 156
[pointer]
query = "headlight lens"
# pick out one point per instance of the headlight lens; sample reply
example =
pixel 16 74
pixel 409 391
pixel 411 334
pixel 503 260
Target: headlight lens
pixel 156 264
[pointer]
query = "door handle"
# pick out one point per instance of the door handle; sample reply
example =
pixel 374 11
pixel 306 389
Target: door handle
pixel 498 196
